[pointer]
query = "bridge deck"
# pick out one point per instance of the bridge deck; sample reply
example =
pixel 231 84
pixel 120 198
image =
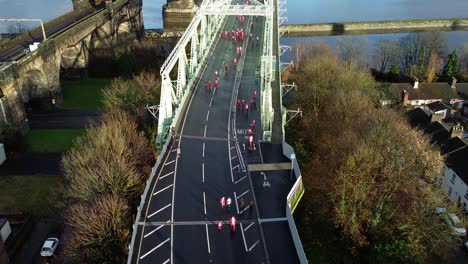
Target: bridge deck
pixel 207 160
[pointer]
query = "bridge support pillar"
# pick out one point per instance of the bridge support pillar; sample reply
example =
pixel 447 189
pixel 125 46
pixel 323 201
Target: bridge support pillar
pixel 76 4
pixel 177 14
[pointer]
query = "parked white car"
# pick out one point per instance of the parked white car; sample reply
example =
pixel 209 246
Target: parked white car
pixel 455 224
pixel 49 247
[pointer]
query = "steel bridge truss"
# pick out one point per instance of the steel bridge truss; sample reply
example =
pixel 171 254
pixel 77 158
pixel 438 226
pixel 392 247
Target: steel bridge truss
pixel 184 64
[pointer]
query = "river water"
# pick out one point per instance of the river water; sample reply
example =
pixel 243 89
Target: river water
pixel 299 11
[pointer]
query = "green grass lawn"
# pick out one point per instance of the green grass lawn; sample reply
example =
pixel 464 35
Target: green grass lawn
pixel 83 94
pixel 51 140
pixel 28 194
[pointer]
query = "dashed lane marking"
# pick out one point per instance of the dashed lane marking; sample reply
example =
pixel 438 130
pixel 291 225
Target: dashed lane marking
pixel 203 153
pixel 158 246
pixel 203 172
pixel 204 202
pixel 163 189
pixel 159 210
pixel 208 239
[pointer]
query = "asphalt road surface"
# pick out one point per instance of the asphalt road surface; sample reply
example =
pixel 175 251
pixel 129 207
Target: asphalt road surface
pixel 207 161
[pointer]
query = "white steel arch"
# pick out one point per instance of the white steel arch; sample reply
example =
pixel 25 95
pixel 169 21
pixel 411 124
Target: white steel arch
pixel 201 34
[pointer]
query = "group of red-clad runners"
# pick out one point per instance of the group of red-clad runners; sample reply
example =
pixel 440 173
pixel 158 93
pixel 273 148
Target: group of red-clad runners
pixel 237 36
pixel 226 203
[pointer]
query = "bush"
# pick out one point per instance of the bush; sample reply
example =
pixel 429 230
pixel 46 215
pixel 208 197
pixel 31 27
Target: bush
pixel 13 139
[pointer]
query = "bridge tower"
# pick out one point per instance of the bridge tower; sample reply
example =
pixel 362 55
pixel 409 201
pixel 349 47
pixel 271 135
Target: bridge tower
pixel 178 13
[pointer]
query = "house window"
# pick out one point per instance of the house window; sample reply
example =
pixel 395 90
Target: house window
pixel 450 191
pixel 453 178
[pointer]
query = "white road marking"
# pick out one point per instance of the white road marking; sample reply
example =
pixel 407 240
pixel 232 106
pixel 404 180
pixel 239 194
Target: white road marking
pixel 203 153
pixel 167 261
pixel 235 199
pixel 159 210
pixel 266 220
pixel 161 226
pixel 249 226
pixel 204 133
pixel 256 243
pixel 174 150
pixel 163 189
pixel 204 202
pixel 203 172
pixel 164 176
pixel 211 101
pixel 235 167
pixel 243 178
pixel 208 239
pixel 233 147
pixel 158 246
pixel 147 208
pixel 170 162
pixel 245 209
pixel 234 157
pixel 243 237
pixel 260 150
pixel 207 115
pixel 244 193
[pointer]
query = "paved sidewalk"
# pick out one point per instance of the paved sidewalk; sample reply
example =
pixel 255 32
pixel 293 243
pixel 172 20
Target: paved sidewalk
pixel 32 163
pixel 64 118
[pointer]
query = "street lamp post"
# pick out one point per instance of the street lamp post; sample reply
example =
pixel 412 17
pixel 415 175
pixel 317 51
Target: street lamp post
pixel 27 20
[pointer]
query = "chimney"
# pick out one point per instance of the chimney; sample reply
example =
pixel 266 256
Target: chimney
pixel 454 83
pixel 457 131
pixel 404 98
pixel 416 83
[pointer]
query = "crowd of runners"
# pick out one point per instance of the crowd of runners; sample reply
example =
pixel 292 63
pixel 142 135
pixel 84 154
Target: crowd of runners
pixel 241 38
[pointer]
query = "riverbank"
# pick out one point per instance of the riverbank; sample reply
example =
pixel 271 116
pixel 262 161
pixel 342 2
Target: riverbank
pixel 375 27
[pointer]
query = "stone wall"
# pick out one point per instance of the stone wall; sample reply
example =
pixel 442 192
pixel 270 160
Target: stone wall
pixel 376 27
pixel 35 78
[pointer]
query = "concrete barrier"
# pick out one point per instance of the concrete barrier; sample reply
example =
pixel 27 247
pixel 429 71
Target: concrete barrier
pixel 375 27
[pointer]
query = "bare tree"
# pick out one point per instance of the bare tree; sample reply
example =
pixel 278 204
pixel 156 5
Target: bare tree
pixel 365 161
pixel 386 53
pixel 99 231
pixel 17 28
pixel 133 95
pixel 353 50
pixel 417 49
pixel 113 158
pixel 464 58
